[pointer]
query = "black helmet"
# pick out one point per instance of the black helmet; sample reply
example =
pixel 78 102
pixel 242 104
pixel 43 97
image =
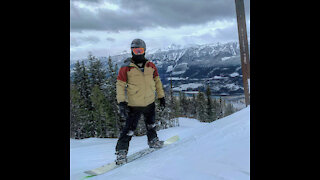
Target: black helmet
pixel 138 43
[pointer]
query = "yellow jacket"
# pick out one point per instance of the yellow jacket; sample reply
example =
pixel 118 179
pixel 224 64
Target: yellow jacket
pixel 140 86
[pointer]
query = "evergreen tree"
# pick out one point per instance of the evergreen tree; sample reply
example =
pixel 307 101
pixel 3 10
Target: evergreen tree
pixel 81 83
pixel 111 94
pixel 98 73
pixel 77 75
pixel 78 114
pixel 100 112
pixel 211 116
pixel 183 104
pixel 229 109
pixel 170 103
pixel 201 107
pixel 112 128
pixel 176 107
pixel 171 108
pixel 216 108
pixel 193 106
pixel 162 117
pixel 222 108
pixel 188 107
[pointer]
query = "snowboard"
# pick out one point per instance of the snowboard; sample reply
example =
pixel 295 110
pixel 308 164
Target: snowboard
pixel 110 166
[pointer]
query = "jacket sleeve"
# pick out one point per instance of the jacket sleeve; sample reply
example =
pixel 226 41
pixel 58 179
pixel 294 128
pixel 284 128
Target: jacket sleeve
pixel 121 84
pixel 157 80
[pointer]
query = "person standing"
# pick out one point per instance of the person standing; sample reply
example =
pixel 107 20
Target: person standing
pixel 137 82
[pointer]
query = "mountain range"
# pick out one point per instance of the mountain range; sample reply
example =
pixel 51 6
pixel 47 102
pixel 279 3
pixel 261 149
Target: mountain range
pixel 192 68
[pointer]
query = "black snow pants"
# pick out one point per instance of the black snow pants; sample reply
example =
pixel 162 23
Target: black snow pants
pixel 132 122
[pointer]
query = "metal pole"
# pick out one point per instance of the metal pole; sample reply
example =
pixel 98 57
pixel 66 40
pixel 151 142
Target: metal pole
pixel 171 91
pixel 220 115
pixel 244 52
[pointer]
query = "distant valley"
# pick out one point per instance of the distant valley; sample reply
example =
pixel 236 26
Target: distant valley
pixel 194 67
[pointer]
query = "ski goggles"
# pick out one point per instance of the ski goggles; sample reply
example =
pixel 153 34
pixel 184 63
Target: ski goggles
pixel 138 51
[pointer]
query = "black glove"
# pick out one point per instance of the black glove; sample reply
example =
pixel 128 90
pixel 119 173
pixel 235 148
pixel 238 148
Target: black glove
pixel 162 103
pixel 123 107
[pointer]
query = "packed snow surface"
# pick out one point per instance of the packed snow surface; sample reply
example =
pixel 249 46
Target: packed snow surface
pixel 216 151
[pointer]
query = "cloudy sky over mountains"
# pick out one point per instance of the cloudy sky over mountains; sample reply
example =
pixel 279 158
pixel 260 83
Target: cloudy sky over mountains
pixel 107 27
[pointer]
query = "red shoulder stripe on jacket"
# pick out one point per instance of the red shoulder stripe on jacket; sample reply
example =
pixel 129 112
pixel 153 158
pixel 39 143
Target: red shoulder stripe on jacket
pixel 122 76
pixel 155 74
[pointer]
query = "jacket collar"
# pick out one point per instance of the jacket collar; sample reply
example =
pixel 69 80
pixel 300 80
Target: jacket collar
pixel 134 65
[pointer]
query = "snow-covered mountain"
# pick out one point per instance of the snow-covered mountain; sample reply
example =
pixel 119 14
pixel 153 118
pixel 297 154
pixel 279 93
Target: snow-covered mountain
pixel 217 150
pixel 216 64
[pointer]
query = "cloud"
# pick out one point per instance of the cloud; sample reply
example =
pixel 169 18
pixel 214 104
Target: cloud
pixel 77 41
pixel 110 39
pixel 87 1
pixel 107 27
pixel 115 16
pixel 155 38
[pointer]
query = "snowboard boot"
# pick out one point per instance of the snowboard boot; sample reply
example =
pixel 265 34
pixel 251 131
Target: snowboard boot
pixel 121 157
pixel 155 143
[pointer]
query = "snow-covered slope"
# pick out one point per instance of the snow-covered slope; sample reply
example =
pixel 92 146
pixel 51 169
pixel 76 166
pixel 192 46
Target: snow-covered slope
pixel 219 151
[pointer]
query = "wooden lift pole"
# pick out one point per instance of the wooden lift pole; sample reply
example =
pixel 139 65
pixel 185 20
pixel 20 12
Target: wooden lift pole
pixel 244 51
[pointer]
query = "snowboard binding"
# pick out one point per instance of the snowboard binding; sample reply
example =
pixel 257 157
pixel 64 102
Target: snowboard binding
pixel 155 143
pixel 121 157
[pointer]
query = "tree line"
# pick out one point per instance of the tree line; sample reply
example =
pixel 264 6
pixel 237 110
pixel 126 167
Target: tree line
pixel 94 111
pixel 202 106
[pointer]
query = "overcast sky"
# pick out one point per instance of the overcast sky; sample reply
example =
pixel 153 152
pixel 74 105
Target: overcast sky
pixel 107 27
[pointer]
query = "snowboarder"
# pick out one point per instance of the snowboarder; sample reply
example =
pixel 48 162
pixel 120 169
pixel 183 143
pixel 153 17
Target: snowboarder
pixel 137 82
